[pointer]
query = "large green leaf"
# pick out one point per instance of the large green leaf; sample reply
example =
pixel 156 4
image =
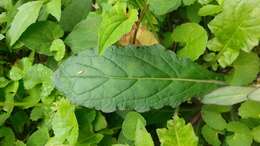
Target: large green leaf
pixel 84 34
pixel 137 78
pixel 74 12
pixel 194 37
pixel 115 24
pixel 177 133
pixel 39 36
pixel 27 14
pixel 238 26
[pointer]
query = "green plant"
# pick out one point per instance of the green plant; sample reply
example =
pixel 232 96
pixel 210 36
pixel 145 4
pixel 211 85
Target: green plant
pixel 129 72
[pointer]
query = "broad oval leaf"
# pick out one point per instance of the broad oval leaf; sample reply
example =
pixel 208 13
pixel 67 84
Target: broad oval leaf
pixel 194 37
pixel 160 7
pixel 26 15
pixel 137 78
pixel 228 95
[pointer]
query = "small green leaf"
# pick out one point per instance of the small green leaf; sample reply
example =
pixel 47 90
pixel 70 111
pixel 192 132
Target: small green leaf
pixel 39 36
pixel 129 126
pixel 209 10
pixel 213 119
pixel 211 135
pixel 58 47
pixel 64 125
pixel 246 68
pixel 250 109
pixel 177 133
pixel 229 95
pixel 26 15
pixel 3 82
pixel 256 133
pixel 114 25
pixel 20 68
pixel 142 137
pixel 54 8
pixel 136 75
pixel 100 122
pixel 85 34
pixel 74 12
pixel 194 37
pixel 18 121
pixel 160 7
pixel 39 75
pixel 39 137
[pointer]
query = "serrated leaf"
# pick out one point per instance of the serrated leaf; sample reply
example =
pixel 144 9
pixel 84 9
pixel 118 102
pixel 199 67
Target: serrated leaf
pixel 136 75
pixel 246 68
pixel 177 133
pixel 26 15
pixel 194 37
pixel 58 47
pixel 237 27
pixel 74 12
pixel 114 25
pixel 250 109
pixel 85 34
pixel 210 135
pixel 160 7
pixel 54 8
pixel 129 126
pixel 39 36
pixel 228 95
pixel 209 10
pixel 64 125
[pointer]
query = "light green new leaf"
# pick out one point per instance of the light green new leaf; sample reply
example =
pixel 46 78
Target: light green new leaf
pixel 85 34
pixel 114 25
pixel 238 26
pixel 39 137
pixel 18 71
pixel 209 10
pixel 194 37
pixel 229 95
pixel 58 47
pixel 136 75
pixel 9 93
pixel 100 122
pixel 74 12
pixel 3 82
pixel 177 133
pixel 211 135
pixel 142 137
pixel 160 7
pixel 54 8
pixel 39 75
pixel 129 126
pixel 246 68
pixel 256 133
pixel 64 125
pixel 188 2
pixel 39 36
pixel 250 109
pixel 26 15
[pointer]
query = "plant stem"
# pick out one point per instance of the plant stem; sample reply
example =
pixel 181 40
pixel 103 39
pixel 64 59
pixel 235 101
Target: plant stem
pixel 138 23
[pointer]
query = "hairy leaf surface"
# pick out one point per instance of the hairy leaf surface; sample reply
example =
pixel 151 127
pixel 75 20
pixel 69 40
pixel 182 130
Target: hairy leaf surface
pixel 137 78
